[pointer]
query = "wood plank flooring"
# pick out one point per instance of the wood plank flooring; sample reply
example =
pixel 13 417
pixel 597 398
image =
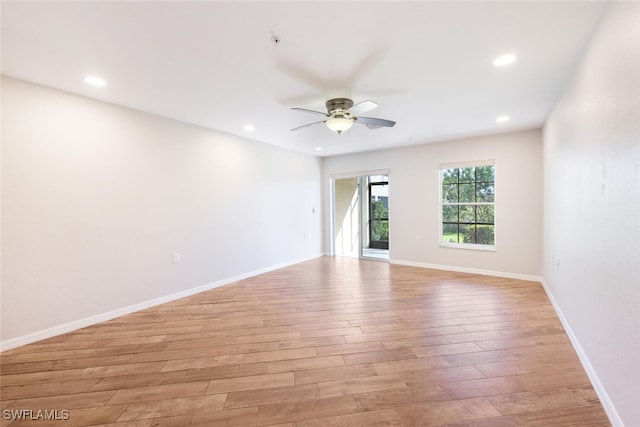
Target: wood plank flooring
pixel 329 342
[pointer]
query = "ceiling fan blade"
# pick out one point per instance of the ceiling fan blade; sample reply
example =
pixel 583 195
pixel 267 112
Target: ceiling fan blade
pixel 373 122
pixel 362 107
pixel 304 110
pixel 308 124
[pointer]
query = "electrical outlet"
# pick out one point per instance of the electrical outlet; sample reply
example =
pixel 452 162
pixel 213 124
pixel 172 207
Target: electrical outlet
pixel 177 258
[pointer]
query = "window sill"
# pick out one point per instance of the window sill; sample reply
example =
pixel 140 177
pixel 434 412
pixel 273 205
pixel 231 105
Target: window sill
pixel 489 248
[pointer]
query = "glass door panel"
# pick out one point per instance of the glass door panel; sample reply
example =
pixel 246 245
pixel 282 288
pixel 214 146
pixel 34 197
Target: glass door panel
pixel 379 215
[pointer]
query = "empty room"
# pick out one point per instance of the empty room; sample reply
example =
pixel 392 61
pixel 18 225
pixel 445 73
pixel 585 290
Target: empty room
pixel 320 213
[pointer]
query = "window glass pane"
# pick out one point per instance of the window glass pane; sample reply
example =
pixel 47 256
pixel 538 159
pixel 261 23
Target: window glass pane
pixel 378 210
pixel 467 233
pixel 450 176
pixel 449 213
pixel 467 214
pixel 467 175
pixel 485 234
pixel 379 230
pixel 467 193
pixel 450 233
pixel 484 214
pixel 450 193
pixel 485 192
pixel 485 174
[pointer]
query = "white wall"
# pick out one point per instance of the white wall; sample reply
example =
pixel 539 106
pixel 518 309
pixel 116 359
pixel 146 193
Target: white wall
pixel 414 200
pixel 96 198
pixel 592 209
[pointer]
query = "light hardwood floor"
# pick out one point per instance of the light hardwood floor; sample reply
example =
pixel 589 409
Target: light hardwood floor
pixel 329 342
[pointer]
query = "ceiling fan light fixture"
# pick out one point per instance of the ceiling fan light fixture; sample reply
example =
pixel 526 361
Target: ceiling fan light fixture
pixel 339 124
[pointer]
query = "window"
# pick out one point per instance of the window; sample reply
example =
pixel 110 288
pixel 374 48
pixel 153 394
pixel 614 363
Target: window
pixel 468 205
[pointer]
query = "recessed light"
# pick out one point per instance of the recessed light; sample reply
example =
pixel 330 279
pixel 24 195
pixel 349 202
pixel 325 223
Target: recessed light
pixel 318 148
pixel 95 81
pixel 249 127
pixel 503 60
pixel 502 119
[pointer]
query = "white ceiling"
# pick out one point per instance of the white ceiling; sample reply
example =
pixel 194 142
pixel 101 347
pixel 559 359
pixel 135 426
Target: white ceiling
pixel 214 64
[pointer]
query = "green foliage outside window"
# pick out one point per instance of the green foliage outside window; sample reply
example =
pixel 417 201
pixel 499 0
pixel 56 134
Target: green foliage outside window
pixel 379 228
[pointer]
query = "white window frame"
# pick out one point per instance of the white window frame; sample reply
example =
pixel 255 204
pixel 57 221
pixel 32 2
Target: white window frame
pixel 473 246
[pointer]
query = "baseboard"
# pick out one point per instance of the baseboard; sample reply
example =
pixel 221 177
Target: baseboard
pixel 607 404
pixel 103 317
pixel 457 269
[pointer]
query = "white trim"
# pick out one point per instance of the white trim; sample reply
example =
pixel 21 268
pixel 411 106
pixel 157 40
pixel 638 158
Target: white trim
pixel 505 274
pixel 607 404
pixel 103 317
pixel 332 216
pixel 469 246
pixel 469 164
pixel 342 175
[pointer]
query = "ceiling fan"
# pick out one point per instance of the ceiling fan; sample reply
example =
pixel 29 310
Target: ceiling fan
pixel 342 114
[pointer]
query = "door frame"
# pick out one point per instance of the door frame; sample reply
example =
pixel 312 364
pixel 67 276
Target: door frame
pixel 332 196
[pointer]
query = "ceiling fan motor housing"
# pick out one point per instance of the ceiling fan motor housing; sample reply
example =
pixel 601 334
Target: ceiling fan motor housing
pixel 339 107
